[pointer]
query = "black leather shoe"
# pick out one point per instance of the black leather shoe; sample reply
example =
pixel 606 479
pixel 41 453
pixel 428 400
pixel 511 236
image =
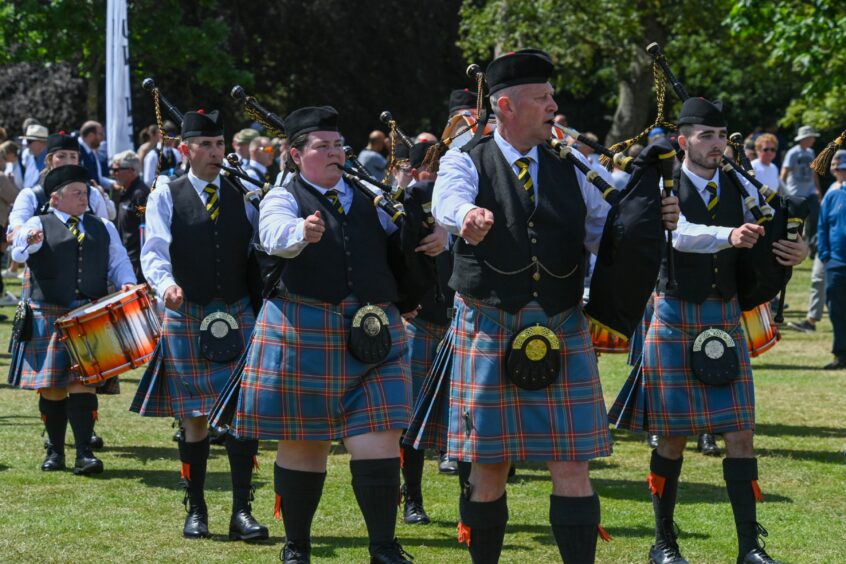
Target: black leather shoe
pixel 836 364
pixel 217 435
pixel 296 553
pixel 53 461
pixel 87 464
pixel 96 441
pixel 652 440
pixel 413 514
pixel 243 526
pixel 757 556
pixel 196 522
pixel 447 466
pixel 707 445
pixel 665 553
pixel 391 553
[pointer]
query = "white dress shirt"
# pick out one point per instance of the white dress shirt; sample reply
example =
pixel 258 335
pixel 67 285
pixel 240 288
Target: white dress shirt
pixel 155 253
pixel 32 172
pixel 695 238
pixel 120 268
pixel 256 170
pixel 26 204
pixel 281 227
pixel 458 185
pixel 151 161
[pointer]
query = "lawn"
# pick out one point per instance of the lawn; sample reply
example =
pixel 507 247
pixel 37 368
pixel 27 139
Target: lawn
pixel 133 511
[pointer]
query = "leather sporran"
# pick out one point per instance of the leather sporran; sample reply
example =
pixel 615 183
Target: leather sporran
pixel 714 357
pixel 370 336
pixel 533 360
pixel 220 338
pixel 22 324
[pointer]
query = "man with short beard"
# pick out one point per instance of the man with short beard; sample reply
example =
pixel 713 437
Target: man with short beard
pixel 676 400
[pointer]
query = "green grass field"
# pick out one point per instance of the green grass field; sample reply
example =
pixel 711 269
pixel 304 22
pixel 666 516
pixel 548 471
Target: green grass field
pixel 133 511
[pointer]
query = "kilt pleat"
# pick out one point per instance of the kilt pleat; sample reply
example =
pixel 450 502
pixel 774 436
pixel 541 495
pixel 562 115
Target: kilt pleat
pixel 224 408
pixel 180 382
pixel 492 420
pixel 43 361
pixel 628 410
pixel 301 383
pixel 429 424
pixel 674 402
pixel 423 339
pixel 636 342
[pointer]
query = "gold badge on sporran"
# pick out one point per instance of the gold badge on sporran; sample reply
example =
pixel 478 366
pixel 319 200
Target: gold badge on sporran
pixel 714 357
pixel 370 338
pixel 534 359
pixel 220 339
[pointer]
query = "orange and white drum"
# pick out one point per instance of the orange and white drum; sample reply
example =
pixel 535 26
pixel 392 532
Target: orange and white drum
pixel 111 335
pixel 462 126
pixel 760 330
pixel 604 341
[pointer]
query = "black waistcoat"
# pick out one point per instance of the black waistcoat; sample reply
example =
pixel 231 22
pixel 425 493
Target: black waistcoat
pixel 529 253
pixel 350 258
pixel 63 270
pixel 209 258
pixel 700 274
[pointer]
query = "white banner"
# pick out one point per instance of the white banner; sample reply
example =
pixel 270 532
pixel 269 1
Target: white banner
pixel 118 94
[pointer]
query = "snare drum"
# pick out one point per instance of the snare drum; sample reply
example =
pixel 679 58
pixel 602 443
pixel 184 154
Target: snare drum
pixel 111 335
pixel 461 128
pixel 604 341
pixel 760 329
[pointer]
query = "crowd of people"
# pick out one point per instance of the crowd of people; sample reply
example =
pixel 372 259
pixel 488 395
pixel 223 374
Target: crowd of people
pixel 316 316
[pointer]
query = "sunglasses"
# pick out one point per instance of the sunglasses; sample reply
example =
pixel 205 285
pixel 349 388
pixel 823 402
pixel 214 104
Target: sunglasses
pixel 767 149
pixel 118 168
pixel 268 149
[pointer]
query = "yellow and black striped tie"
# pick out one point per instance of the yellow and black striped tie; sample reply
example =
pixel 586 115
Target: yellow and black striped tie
pixel 524 177
pixel 332 196
pixel 712 203
pixel 212 201
pixel 73 226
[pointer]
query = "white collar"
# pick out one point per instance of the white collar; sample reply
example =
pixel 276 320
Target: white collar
pixel 699 182
pixel 510 153
pixel 340 187
pixel 199 184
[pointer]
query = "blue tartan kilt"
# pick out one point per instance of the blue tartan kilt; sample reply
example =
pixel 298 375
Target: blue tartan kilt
pixel 430 417
pixel 301 383
pixel 423 339
pixel 491 420
pixel 179 381
pixel 42 361
pixel 636 342
pixel 666 398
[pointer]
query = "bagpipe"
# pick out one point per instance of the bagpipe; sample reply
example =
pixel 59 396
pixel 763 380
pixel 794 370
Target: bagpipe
pixel 760 277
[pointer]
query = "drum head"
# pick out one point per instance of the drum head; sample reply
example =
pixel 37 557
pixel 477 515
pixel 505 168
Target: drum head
pixel 100 304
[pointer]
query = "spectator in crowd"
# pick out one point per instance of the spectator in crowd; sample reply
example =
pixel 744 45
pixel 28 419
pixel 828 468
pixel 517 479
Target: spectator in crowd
pixel 592 157
pixel 8 193
pixel 800 180
pixel 766 147
pixel 91 135
pixel 656 133
pixel 147 139
pixel 831 251
pixel 749 148
pixel 163 149
pixel 32 160
pixel 261 159
pixel 241 143
pixel 560 119
pixel 126 170
pixel 817 293
pixel 11 164
pixel 373 156
pixel 425 137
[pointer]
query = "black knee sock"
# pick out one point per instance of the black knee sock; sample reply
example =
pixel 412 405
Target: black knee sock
pixel 464 473
pixel 195 458
pixel 741 476
pixel 412 471
pixel 298 495
pixel 575 522
pixel 54 413
pixel 482 527
pixel 241 455
pixel 95 414
pixel 376 484
pixel 664 485
pixel 81 408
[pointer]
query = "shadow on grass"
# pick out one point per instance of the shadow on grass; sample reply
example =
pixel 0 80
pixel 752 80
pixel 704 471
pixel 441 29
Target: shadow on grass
pixel 3 467
pixel 326 547
pixel 802 367
pixel 778 430
pixel 164 479
pixel 29 420
pixel 828 457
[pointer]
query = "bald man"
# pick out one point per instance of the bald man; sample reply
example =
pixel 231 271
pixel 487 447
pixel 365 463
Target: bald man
pixel 372 156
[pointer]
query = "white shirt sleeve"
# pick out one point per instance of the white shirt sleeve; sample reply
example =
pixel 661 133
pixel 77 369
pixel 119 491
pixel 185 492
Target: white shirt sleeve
pixel 32 173
pixel 20 248
pixel 455 190
pixel 98 204
pixel 596 208
pixel 120 268
pixel 23 209
pixel 280 226
pixel 151 160
pixel 155 253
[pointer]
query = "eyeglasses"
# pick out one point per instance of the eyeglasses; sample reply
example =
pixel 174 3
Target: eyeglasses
pixel 767 149
pixel 118 168
pixel 268 149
